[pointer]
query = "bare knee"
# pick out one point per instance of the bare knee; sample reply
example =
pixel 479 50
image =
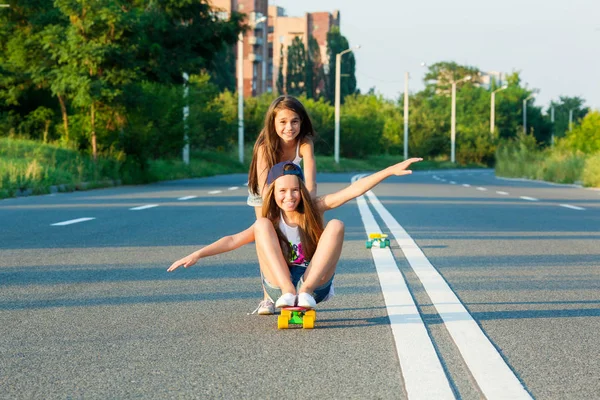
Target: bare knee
pixel 263 224
pixel 335 226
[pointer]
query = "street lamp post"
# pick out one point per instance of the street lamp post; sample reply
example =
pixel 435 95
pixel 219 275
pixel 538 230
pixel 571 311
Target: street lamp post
pixel 570 120
pixel 552 120
pixel 525 112
pixel 240 89
pixel 453 118
pixel 406 115
pixel 338 65
pixel 493 109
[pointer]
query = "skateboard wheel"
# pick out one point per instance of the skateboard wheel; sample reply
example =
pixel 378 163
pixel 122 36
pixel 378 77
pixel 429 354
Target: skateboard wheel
pixel 282 322
pixel 308 322
pixel 286 313
pixel 369 244
pixel 311 313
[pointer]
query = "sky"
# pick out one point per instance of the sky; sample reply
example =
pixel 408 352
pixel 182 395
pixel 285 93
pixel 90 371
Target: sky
pixel 554 44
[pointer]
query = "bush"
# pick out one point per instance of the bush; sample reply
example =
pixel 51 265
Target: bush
pixel 591 171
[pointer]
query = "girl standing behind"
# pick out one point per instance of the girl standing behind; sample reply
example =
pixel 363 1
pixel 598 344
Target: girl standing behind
pixel 287 135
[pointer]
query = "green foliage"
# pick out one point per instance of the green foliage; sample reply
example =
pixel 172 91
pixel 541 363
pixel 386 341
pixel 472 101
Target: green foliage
pixel 522 158
pixel 363 114
pixel 336 43
pixel 584 137
pixel 518 157
pixel 30 165
pixel 315 74
pixel 591 171
pixel 562 108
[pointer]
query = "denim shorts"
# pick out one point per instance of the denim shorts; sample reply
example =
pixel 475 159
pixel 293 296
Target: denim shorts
pixel 254 200
pixel 322 293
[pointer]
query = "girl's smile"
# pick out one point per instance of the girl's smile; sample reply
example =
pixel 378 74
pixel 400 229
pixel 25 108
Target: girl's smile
pixel 287 192
pixel 287 125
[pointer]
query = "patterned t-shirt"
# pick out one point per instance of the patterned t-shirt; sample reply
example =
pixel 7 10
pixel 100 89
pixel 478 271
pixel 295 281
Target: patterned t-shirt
pixel 297 257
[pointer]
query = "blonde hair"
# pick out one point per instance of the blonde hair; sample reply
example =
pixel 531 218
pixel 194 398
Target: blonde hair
pixel 310 224
pixel 269 140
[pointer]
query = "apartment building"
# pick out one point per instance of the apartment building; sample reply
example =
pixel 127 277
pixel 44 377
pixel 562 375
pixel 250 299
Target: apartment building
pixel 270 29
pixel 255 47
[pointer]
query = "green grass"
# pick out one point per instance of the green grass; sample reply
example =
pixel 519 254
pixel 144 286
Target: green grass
pixel 27 165
pixel 551 165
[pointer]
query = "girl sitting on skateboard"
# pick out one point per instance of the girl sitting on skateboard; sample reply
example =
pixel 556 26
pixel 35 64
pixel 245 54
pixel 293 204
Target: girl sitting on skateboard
pixel 287 134
pixel 298 254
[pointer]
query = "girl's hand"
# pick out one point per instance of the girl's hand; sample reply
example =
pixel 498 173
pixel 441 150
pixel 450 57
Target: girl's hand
pixel 186 262
pixel 401 168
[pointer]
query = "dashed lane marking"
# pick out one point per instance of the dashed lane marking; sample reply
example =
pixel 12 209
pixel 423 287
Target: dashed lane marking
pixel 145 207
pixel 73 221
pixel 572 207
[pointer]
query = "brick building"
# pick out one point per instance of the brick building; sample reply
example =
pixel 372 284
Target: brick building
pixel 262 42
pixel 255 46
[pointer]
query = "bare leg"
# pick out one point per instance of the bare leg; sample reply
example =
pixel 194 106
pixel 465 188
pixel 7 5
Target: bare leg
pixel 324 261
pixel 270 257
pixel 258 212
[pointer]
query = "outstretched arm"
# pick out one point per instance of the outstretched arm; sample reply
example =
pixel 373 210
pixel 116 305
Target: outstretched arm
pixel 223 245
pixel 363 185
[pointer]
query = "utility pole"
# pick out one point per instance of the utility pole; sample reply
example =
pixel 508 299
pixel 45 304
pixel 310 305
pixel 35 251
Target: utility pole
pixel 406 115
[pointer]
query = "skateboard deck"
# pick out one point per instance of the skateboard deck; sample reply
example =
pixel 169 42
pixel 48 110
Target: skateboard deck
pixel 296 317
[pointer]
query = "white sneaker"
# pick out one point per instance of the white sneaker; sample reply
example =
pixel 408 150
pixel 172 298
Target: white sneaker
pixel 306 300
pixel 265 307
pixel 286 300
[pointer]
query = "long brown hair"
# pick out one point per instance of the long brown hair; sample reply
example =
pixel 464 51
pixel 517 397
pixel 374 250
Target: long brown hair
pixel 310 224
pixel 270 142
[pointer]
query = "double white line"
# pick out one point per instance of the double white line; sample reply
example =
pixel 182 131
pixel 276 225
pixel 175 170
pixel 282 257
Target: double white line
pixel 421 367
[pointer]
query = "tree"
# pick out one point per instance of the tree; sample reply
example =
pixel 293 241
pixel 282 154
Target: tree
pixel 337 43
pixel 562 108
pixel 441 75
pixel 586 136
pixel 314 70
pixel 295 82
pixel 280 77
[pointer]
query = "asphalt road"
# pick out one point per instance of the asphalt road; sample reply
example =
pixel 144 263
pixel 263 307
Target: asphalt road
pixel 87 309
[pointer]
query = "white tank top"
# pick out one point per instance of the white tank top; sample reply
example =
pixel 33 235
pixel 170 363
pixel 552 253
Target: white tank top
pixel 298 158
pixel 297 257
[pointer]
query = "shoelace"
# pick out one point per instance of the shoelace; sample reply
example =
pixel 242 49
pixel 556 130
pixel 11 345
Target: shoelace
pixel 264 303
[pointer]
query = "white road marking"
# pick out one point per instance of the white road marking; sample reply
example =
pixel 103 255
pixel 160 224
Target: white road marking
pixel 529 198
pixel 144 207
pixel 502 193
pixel 493 376
pixel 422 371
pixel 482 189
pixel 572 207
pixel 234 188
pixel 466 185
pixel 72 221
pixel 187 198
pixel 214 191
